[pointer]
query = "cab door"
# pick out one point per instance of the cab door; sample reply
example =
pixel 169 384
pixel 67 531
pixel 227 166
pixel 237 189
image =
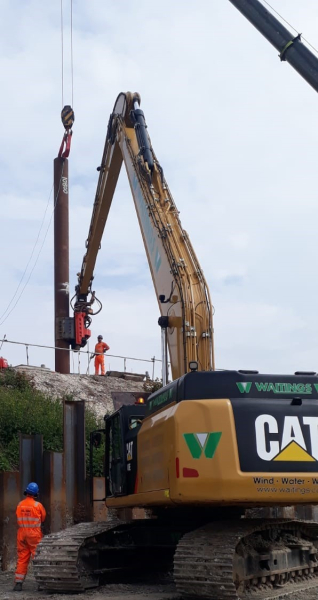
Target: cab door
pixel 122 430
pixel 115 456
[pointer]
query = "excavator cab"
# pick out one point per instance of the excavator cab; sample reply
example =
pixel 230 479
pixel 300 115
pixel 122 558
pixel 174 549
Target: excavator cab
pixel 122 429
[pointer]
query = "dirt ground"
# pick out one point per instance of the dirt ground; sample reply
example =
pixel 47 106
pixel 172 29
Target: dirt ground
pixel 163 590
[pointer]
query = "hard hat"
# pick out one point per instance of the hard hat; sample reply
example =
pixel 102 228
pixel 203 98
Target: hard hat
pixel 100 337
pixel 32 489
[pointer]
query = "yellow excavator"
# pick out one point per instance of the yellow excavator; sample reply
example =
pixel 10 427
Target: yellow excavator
pixel 205 447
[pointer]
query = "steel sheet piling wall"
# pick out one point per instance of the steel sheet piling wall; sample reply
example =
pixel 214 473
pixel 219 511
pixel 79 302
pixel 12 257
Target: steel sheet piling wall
pixel 31 460
pixel 81 455
pixel 26 466
pixel 69 431
pixel 54 498
pixel 9 498
pixel 61 261
pixel 74 461
pixel 38 460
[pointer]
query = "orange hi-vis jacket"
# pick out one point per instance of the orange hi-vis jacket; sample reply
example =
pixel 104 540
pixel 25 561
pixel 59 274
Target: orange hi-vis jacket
pixel 101 347
pixel 30 515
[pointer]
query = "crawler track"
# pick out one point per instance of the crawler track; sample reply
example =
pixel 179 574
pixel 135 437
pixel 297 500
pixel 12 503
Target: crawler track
pixel 216 561
pixel 230 560
pixel 60 561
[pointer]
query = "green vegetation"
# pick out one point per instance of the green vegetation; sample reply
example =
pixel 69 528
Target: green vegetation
pixel 152 385
pixel 26 410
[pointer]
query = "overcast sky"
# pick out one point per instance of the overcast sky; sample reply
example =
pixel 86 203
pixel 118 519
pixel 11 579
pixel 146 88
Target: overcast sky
pixel 236 133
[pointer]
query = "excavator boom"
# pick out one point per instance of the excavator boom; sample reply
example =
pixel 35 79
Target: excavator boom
pixel 181 289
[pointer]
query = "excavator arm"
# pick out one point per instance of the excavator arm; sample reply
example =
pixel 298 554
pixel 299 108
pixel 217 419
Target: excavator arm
pixel 181 290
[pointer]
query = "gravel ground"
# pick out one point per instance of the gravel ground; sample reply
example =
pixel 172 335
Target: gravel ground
pixel 96 391
pixel 113 591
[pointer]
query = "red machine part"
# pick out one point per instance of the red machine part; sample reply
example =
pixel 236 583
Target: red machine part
pixel 65 147
pixel 82 334
pixel 3 363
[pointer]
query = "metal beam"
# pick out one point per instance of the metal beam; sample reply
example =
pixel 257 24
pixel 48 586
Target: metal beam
pixel 61 262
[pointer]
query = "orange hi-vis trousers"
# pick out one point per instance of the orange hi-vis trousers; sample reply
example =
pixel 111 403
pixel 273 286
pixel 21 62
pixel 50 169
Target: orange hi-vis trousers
pixel 99 363
pixel 26 546
pixel 30 515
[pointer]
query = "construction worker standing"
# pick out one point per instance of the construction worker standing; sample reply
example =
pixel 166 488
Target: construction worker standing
pixel 100 350
pixel 30 515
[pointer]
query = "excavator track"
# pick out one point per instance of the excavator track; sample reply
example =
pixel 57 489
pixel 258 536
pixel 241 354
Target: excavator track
pixel 243 560
pixel 60 562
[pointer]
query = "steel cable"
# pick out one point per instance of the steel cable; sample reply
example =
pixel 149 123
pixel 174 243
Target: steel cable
pixel 7 311
pixel 38 254
pixel 72 54
pixel 31 255
pixel 62 49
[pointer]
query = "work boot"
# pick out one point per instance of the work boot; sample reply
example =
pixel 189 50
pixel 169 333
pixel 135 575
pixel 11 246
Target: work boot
pixel 18 587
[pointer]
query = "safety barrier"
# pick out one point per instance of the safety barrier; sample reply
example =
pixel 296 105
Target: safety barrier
pixel 81 362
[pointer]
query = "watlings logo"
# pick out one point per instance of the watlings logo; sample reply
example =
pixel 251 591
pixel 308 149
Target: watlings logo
pixel 245 387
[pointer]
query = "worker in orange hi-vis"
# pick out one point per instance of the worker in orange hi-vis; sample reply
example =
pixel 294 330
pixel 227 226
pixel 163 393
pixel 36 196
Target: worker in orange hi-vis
pixel 100 350
pixel 30 515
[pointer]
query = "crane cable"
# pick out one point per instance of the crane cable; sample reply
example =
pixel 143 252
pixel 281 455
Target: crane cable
pixel 29 261
pixel 67 122
pixel 72 70
pixel 3 318
pixel 62 53
pixel 71 52
pixel 67 114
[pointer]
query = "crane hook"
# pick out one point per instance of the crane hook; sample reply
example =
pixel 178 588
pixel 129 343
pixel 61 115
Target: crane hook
pixel 68 118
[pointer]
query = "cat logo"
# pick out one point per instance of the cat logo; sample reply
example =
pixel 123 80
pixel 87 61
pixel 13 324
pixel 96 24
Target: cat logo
pixel 295 441
pixel 129 448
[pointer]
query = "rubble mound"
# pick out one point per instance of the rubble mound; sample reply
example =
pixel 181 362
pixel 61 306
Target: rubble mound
pixel 95 390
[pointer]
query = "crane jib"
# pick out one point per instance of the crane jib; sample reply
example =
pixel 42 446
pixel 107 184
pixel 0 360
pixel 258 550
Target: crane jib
pixel 290 48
